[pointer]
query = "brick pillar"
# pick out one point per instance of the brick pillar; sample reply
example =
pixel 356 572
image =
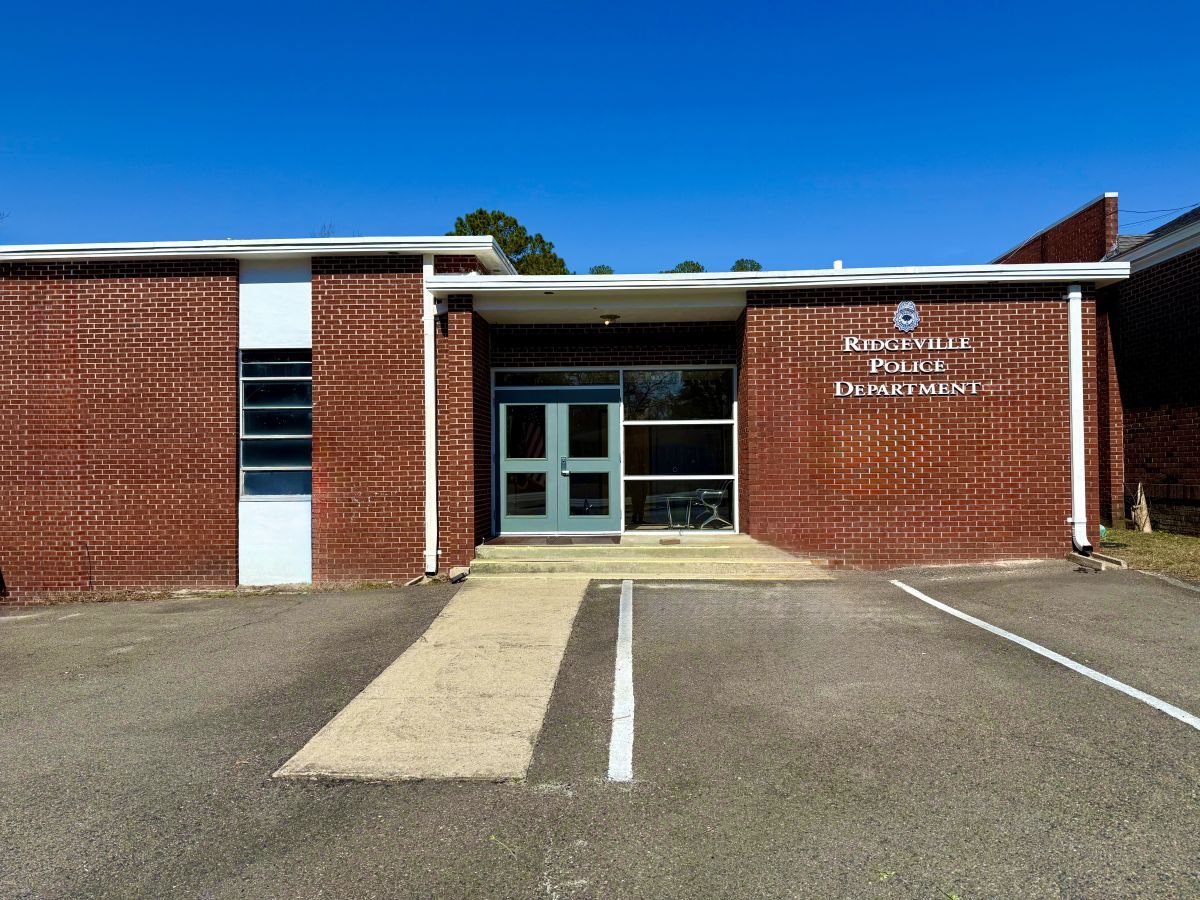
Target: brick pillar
pixel 464 432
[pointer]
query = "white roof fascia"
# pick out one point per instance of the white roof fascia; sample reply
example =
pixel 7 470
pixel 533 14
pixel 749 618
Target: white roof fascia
pixel 1057 222
pixel 484 247
pixel 1160 249
pixel 1098 272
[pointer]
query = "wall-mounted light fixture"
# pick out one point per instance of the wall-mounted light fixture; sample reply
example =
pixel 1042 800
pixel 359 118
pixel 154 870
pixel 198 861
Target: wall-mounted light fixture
pixel 608 318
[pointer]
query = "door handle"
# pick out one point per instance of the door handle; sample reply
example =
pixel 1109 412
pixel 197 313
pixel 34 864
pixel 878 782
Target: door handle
pixel 562 466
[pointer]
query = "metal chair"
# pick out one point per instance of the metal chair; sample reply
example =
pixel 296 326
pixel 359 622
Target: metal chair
pixel 711 499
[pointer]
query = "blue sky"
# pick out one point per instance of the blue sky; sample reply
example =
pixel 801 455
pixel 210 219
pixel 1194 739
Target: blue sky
pixel 630 134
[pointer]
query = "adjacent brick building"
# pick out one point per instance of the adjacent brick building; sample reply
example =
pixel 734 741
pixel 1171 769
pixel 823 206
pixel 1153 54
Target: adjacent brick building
pixel 216 413
pixel 1147 330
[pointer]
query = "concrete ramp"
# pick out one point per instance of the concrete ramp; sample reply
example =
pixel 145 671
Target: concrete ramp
pixel 466 700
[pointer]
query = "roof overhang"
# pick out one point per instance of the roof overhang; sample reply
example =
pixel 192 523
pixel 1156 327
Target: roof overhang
pixel 1160 249
pixel 717 296
pixel 484 248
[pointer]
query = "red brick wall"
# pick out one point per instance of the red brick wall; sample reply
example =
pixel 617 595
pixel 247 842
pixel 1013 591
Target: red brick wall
pixel 118 449
pixel 464 432
pixel 1156 329
pixel 1110 419
pixel 1085 236
pixel 464 423
pixel 368 418
pixel 885 481
pixel 637 344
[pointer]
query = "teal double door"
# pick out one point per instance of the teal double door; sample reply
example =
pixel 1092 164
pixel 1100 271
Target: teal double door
pixel 559 452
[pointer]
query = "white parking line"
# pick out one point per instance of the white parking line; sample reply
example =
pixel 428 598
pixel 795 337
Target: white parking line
pixel 620 746
pixel 19 618
pixel 1161 705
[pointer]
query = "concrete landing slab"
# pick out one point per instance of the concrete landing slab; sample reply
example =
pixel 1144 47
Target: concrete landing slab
pixel 465 701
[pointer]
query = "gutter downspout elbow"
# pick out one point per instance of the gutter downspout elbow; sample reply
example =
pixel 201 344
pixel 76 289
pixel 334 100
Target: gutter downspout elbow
pixel 1078 520
pixel 429 323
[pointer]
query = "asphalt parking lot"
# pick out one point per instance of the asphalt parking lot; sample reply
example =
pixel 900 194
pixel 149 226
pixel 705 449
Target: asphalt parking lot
pixel 804 739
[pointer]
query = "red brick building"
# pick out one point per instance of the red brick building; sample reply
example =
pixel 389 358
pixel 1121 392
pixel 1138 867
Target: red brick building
pixel 1148 327
pixel 225 412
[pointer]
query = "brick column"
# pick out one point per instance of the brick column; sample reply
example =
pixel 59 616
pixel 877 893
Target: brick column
pixel 1111 423
pixel 368 418
pixel 464 432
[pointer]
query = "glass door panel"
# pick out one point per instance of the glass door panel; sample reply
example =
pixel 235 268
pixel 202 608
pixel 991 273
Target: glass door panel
pixel 591 462
pixel 528 477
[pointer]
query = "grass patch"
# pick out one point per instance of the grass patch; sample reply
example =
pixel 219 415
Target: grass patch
pixel 1161 551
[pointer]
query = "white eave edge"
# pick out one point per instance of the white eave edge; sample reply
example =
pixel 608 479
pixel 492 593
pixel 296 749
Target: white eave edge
pixel 1099 273
pixel 1160 249
pixel 484 247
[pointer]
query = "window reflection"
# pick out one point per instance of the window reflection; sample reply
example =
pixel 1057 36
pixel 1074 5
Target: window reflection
pixel 526 493
pixel 677 503
pixel 588 424
pixel 589 493
pixel 526 432
pixel 678 449
pixel 678 394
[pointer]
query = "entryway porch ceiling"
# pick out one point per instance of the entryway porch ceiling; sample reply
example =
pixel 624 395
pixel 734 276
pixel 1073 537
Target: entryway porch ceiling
pixel 590 308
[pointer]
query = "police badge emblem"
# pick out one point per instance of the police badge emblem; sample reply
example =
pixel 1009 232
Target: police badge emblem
pixel 906 318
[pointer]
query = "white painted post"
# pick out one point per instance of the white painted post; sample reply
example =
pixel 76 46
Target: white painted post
pixel 1079 488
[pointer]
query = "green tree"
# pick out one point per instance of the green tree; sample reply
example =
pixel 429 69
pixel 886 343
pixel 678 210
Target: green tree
pixel 746 265
pixel 688 265
pixel 531 254
pixel 600 270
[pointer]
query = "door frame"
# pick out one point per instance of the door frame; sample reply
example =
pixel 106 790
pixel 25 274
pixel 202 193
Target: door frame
pixel 620 370
pixel 556 401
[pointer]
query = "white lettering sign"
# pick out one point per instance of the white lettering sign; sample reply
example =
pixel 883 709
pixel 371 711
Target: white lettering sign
pixel 882 365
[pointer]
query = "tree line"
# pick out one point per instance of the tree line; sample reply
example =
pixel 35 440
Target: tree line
pixel 532 254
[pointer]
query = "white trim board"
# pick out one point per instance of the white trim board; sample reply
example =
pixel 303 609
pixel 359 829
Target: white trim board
pixel 1161 249
pixel 702 282
pixel 484 247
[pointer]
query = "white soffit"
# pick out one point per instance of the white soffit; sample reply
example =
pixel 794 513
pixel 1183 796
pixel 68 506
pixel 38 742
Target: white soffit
pixel 484 247
pixel 660 306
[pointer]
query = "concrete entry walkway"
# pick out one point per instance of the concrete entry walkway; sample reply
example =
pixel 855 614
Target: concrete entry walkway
pixel 465 701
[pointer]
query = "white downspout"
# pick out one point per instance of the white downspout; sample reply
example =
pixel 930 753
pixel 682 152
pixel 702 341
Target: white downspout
pixel 429 321
pixel 1079 488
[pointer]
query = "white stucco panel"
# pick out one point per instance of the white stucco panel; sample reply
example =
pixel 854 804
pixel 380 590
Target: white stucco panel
pixel 275 304
pixel 274 541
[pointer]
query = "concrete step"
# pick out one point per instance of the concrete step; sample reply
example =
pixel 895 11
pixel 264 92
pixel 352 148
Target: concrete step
pixel 641 566
pixel 816 574
pixel 718 551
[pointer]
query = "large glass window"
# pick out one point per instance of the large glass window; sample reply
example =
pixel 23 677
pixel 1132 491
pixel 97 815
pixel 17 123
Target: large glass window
pixel 705 504
pixel 276 412
pixel 679 448
pixel 665 394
